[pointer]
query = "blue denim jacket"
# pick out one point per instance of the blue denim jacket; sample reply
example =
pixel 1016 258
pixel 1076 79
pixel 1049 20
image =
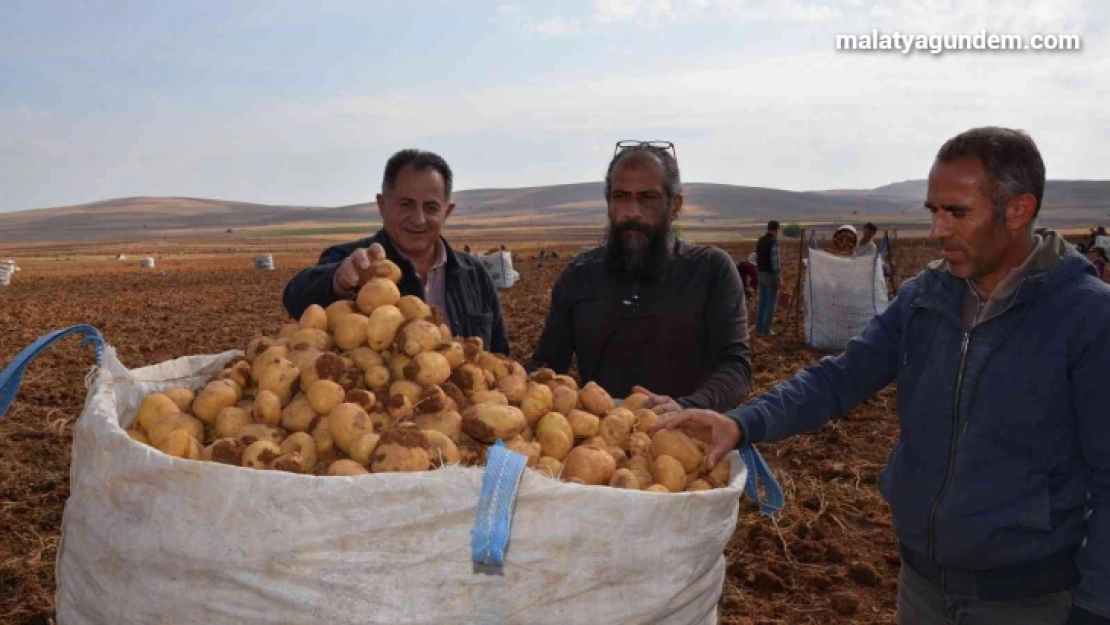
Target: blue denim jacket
pixel 1005 430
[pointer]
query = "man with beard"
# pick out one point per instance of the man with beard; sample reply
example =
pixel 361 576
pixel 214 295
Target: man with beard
pixel 646 308
pixel 999 483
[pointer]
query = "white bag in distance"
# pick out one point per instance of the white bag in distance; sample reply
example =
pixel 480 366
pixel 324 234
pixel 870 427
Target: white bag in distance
pixel 147 538
pixel 499 266
pixel 842 294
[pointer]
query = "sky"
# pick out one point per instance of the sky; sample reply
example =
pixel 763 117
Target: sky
pixel 287 102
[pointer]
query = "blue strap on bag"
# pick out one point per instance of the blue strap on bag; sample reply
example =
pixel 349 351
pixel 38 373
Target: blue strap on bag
pixel 12 375
pixel 493 521
pixel 758 471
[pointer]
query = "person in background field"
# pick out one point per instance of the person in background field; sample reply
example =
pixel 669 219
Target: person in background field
pixel 646 308
pixel 866 245
pixel 999 483
pixel 1097 256
pixel 414 204
pixel 770 278
pixel 749 275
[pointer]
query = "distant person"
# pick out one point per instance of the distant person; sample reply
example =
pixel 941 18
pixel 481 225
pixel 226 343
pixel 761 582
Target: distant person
pixel 770 278
pixel 414 204
pixel 1098 258
pixel 646 308
pixel 749 275
pixel 466 248
pixel 866 246
pixel 999 482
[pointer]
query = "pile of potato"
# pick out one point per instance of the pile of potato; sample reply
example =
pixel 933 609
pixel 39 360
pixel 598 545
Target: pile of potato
pixel 844 242
pixel 379 385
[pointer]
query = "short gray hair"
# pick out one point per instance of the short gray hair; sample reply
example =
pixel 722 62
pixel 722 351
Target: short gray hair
pixel 672 180
pixel 1010 159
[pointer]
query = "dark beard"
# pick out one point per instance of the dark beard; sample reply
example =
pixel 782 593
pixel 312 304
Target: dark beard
pixel 635 261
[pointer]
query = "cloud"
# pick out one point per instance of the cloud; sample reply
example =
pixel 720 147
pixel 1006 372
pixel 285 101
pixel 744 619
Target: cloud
pixel 653 13
pixel 553 27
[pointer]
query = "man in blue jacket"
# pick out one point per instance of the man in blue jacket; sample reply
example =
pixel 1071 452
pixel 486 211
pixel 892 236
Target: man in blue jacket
pixel 414 204
pixel 1000 480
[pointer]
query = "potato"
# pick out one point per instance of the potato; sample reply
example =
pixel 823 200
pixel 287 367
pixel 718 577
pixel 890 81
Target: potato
pixel 324 395
pixel 246 404
pixel 721 474
pixel 337 310
pixel 376 294
pixel 383 268
pixel 267 408
pixel 592 398
pixel 517 369
pixel 181 396
pixel 323 366
pixel 401 450
pixel 428 369
pixel 381 330
pixel 557 422
pixel 537 402
pixel 412 307
pixel 656 488
pixel 643 477
pixel 267 359
pixel 565 381
pixel 497 364
pixel 471 454
pixel 639 462
pixel 513 387
pixel 588 465
pixel 363 357
pixel 634 401
pixel 645 418
pixel 230 420
pixel 240 374
pixel 698 485
pixel 180 444
pixel 350 331
pixel 679 446
pixel 260 454
pixel 554 443
pixel 225 451
pixel 362 398
pixel 595 441
pixel 364 447
pixel 530 450
pixel 214 397
pixel 543 375
pixel 348 422
pixel 139 435
pixel 527 433
pixel 473 348
pixel 381 419
pixel 624 414
pixel 304 357
pixel 563 400
pixel 299 416
pixel 154 407
pixel 487 423
pixel 314 317
pixel 288 330
pixel 441 448
pixel 312 337
pixel 668 472
pixel 618 455
pixel 626 479
pixel 639 444
pixel 257 346
pixel 259 432
pixel 325 444
pixel 280 379
pixel 444 331
pixel 493 398
pixel 470 379
pixel 377 378
pixel 162 428
pixel 446 422
pixel 415 336
pixel 615 431
pixel 291 462
pixel 583 424
pixel 346 468
pixel 549 466
pixel 304 445
pixel 453 352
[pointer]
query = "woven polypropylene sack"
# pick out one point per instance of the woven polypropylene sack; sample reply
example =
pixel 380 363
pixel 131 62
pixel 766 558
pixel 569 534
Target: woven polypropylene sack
pixel 842 294
pixel 151 539
pixel 499 266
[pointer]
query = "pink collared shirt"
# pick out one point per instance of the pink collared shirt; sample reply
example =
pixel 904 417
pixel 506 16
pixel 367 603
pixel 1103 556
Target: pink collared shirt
pixel 435 285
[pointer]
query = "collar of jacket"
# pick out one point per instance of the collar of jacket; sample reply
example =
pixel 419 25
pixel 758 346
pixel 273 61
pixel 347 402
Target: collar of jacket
pixel 408 271
pixel 943 293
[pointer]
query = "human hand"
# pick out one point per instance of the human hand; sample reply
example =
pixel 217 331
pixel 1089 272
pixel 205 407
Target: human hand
pixel 346 277
pixel 721 433
pixel 660 404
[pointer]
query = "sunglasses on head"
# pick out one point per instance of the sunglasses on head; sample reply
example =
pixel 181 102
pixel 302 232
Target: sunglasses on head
pixel 655 145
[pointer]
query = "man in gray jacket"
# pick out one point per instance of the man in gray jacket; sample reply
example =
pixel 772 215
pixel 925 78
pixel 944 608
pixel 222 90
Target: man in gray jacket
pixel 1000 480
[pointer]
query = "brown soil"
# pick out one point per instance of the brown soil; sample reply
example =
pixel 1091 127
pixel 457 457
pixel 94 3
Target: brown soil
pixel 830 557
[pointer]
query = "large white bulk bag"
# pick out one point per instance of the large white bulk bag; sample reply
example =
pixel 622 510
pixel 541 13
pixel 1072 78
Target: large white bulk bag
pixel 147 538
pixel 842 294
pixel 6 272
pixel 264 262
pixel 499 266
pixel 146 262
